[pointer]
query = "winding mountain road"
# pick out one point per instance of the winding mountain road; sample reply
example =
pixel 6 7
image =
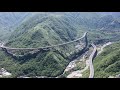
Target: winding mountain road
pixel 101 49
pixel 91 61
pixel 92 56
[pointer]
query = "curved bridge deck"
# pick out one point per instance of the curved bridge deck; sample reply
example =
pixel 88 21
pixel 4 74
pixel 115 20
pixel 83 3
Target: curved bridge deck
pixel 34 51
pixel 47 47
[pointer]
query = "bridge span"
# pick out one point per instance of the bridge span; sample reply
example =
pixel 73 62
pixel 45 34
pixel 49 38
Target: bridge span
pixel 39 48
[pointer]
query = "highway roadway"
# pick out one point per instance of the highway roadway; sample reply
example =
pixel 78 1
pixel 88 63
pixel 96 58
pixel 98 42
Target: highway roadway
pixel 91 61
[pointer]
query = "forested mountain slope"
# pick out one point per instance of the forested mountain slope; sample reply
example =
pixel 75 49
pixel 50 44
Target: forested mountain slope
pixel 42 30
pixel 37 31
pixel 9 21
pixel 108 62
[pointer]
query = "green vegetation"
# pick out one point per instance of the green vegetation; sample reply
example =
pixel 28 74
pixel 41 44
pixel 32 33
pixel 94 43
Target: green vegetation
pixel 86 73
pixel 49 31
pixel 108 62
pixel 45 29
pixel 46 64
pixel 41 31
pixel 9 22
